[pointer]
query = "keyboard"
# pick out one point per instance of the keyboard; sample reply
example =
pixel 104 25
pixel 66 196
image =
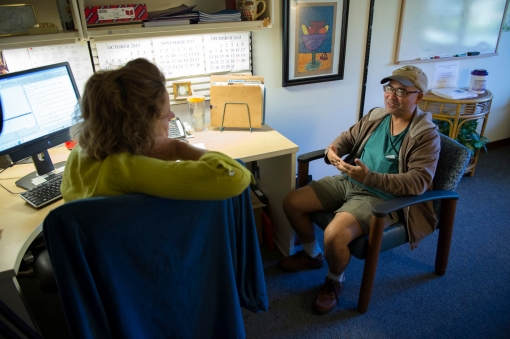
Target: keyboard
pixel 44 193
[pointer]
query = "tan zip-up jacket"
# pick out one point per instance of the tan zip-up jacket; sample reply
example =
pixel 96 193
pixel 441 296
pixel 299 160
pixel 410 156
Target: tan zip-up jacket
pixel 417 165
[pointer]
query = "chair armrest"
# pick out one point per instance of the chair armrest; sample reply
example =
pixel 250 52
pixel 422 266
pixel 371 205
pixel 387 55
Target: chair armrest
pixel 311 156
pixel 385 208
pixel 303 165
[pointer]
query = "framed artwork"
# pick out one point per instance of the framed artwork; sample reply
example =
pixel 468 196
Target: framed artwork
pixel 314 39
pixel 16 19
pixel 506 19
pixel 182 90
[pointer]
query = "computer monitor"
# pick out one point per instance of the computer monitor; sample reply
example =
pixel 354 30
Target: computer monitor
pixel 37 106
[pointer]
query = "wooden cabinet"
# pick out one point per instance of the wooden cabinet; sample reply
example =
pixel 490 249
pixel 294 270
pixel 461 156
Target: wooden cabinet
pixel 47 11
pixel 456 113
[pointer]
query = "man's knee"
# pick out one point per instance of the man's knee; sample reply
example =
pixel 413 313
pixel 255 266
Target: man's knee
pixel 303 200
pixel 342 230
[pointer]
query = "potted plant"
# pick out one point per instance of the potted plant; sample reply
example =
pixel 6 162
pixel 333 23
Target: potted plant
pixel 467 136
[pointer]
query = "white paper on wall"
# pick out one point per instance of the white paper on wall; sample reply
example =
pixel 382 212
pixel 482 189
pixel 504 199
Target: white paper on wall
pixel 179 56
pixel 228 52
pixel 17 59
pixel 115 54
pixel 76 54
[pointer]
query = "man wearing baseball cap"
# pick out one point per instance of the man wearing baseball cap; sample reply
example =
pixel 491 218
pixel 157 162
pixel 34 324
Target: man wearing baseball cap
pixel 390 152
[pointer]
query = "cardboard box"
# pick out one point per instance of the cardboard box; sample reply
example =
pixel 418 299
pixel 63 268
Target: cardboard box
pixel 116 13
pixel 257 213
pixel 233 96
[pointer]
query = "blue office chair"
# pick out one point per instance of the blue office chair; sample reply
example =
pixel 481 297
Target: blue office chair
pixel 453 160
pixel 138 266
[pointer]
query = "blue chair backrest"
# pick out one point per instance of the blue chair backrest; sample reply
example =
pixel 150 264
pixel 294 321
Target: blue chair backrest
pixel 453 161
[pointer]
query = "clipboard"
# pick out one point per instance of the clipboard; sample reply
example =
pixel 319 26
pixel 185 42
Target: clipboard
pixel 237 101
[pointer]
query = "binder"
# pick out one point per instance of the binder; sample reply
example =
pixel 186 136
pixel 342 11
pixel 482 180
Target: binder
pixel 237 100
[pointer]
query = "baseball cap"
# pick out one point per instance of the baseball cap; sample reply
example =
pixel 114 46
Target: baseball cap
pixel 409 76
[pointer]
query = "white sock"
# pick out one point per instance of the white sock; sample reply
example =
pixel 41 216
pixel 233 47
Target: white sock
pixel 340 278
pixel 312 249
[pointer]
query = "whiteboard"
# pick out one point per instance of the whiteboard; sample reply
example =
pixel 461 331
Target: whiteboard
pixel 446 28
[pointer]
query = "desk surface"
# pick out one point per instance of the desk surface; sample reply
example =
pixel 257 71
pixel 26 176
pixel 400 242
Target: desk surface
pixel 20 223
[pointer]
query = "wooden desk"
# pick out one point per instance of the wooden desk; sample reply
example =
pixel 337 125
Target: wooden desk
pixel 20 223
pixel 276 159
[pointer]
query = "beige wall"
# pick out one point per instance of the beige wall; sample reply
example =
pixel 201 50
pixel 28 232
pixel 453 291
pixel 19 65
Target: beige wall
pixel 312 115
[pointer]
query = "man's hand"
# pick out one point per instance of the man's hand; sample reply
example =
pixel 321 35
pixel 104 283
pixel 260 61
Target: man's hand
pixel 357 173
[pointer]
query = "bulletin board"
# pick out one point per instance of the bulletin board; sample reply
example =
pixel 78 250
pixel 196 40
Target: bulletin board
pixel 431 28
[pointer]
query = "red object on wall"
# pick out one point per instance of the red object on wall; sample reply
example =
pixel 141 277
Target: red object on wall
pixel 116 13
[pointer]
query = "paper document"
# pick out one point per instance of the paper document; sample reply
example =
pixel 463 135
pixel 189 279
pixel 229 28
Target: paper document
pixel 453 93
pixel 445 75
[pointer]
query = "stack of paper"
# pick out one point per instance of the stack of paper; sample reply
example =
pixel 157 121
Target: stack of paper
pixel 226 15
pixel 180 15
pixel 453 93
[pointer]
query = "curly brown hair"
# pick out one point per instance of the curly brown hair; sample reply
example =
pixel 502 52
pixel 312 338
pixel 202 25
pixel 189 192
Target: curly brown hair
pixel 119 109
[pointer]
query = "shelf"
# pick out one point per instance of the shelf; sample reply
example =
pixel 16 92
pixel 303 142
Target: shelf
pixel 25 41
pixel 47 12
pixel 130 32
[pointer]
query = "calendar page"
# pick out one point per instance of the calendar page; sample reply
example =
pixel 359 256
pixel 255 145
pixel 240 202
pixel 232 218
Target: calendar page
pixel 229 52
pixel 113 55
pixel 179 56
pixel 76 54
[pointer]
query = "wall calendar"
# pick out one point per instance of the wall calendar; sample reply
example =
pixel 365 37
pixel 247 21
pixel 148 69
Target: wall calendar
pixel 181 56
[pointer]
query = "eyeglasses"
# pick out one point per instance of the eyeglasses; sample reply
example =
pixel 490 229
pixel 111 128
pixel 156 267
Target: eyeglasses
pixel 399 92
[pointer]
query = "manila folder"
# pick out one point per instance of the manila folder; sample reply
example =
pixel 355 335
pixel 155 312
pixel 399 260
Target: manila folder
pixel 232 103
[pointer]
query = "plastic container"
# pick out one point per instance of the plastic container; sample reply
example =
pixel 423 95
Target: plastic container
pixel 478 81
pixel 196 105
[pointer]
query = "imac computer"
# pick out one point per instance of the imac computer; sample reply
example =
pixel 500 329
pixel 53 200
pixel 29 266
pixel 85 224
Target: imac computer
pixel 37 106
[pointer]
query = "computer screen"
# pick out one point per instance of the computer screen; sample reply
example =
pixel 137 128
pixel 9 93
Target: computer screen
pixel 37 106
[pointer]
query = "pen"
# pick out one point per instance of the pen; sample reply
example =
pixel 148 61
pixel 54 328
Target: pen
pixel 461 55
pixel 426 58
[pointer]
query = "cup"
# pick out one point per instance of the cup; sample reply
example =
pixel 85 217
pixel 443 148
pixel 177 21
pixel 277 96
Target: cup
pixel 478 81
pixel 250 9
pixel 196 105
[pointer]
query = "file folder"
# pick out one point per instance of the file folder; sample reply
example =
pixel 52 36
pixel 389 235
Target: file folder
pixel 237 101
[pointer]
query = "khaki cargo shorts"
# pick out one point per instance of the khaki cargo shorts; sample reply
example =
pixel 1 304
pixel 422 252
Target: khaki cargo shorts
pixel 339 194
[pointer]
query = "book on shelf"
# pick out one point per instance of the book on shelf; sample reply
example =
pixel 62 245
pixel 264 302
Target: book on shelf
pixel 170 12
pixel 453 93
pixel 225 15
pixel 159 23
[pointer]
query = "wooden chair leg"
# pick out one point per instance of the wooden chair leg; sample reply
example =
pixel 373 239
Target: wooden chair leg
pixel 303 168
pixel 371 259
pixel 447 218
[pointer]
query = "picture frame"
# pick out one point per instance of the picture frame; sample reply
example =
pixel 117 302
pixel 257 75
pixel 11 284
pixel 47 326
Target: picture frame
pixel 16 19
pixel 182 90
pixel 505 27
pixel 314 40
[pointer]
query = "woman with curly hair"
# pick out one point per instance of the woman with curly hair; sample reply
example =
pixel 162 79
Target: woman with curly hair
pixel 123 145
